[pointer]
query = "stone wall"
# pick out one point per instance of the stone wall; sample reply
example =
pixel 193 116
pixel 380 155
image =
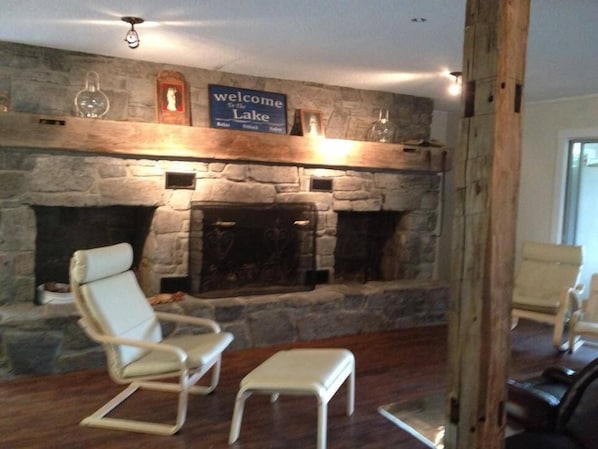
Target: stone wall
pixel 38 178
pixel 45 80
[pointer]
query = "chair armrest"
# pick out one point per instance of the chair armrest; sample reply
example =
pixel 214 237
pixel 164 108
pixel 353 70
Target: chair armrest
pixel 560 374
pixel 206 322
pixel 574 296
pixel 107 339
pixel 533 408
pixel 577 316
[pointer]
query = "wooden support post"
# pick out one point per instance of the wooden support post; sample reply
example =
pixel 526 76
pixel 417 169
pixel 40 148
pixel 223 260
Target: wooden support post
pixel 487 170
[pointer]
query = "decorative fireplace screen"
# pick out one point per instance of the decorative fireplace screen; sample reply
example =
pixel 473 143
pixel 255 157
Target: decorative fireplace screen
pixel 251 248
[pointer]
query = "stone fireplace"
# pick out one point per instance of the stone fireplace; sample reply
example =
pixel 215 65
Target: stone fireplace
pixel 70 197
pixel 131 167
pixel 370 250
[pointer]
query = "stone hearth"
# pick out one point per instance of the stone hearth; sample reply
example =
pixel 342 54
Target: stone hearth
pixel 47 339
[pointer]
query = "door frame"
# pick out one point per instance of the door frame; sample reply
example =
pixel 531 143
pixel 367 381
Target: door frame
pixel 560 178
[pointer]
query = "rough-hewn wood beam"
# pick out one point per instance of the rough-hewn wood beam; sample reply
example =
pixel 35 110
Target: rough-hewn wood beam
pixel 487 169
pixel 171 141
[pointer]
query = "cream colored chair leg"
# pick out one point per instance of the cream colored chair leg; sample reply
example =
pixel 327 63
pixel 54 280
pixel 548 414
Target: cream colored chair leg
pixel 351 392
pixel 204 390
pixel 235 427
pixel 322 422
pixel 575 341
pixel 557 336
pixel 99 418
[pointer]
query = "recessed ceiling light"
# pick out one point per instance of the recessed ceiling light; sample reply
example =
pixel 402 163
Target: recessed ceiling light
pixel 419 19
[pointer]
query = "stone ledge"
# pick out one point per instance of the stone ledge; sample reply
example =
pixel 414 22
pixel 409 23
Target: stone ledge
pixel 46 339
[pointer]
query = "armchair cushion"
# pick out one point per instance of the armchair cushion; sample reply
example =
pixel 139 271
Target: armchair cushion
pixel 200 350
pixel 535 304
pixel 586 327
pixel 120 309
pixel 98 263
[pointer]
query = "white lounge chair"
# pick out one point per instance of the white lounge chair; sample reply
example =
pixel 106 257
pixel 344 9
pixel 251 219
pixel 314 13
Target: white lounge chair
pixel 115 312
pixel 546 286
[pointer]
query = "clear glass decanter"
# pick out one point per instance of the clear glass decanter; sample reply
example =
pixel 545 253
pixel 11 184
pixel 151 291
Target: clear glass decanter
pixel 382 130
pixel 90 101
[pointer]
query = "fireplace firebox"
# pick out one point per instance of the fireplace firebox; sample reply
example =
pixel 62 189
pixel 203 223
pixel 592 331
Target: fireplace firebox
pixel 247 249
pixel 63 230
pixel 367 248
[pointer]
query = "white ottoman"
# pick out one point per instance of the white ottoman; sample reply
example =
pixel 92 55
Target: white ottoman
pixel 320 372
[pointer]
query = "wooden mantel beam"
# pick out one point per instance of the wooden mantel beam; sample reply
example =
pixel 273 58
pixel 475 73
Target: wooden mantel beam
pixel 18 130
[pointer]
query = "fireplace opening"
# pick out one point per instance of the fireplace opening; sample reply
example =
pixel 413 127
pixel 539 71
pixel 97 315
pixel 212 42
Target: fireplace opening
pixel 367 247
pixel 247 249
pixel 63 230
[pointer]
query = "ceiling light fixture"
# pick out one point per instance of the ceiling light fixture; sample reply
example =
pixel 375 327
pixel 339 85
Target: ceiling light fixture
pixel 455 88
pixel 132 38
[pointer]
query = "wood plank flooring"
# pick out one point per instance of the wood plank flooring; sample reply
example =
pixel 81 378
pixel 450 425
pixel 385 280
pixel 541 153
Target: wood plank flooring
pixel 44 412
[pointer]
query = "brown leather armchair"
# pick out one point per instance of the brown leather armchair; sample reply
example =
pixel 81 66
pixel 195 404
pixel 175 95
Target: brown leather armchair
pixel 557 410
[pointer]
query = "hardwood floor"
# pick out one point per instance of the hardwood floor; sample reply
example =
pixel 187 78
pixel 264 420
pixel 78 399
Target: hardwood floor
pixel 44 412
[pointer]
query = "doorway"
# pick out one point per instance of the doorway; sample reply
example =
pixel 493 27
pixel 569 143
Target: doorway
pixel 581 208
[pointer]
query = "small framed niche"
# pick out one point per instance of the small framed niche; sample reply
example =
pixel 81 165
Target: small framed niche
pixel 179 180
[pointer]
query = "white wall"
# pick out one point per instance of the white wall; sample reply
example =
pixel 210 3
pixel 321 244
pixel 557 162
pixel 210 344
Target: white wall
pixel 547 127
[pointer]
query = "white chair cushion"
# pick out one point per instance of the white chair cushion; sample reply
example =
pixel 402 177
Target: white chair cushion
pixel 299 369
pixel 120 308
pixel 201 350
pixel 549 252
pixel 586 327
pixel 545 280
pixel 92 264
pixel 547 305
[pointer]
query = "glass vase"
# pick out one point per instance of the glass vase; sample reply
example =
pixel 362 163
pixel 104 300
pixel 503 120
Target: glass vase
pixel 382 130
pixel 90 101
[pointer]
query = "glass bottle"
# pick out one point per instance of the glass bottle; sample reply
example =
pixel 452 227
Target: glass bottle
pixel 90 101
pixel 382 130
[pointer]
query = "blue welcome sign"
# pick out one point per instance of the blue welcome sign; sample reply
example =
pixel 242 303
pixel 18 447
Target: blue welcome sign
pixel 248 110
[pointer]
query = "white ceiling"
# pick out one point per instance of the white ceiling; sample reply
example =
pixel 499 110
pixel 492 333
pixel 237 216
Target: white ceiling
pixel 366 44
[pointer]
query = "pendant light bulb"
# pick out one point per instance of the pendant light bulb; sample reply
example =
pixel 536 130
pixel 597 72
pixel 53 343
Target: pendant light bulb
pixel 132 38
